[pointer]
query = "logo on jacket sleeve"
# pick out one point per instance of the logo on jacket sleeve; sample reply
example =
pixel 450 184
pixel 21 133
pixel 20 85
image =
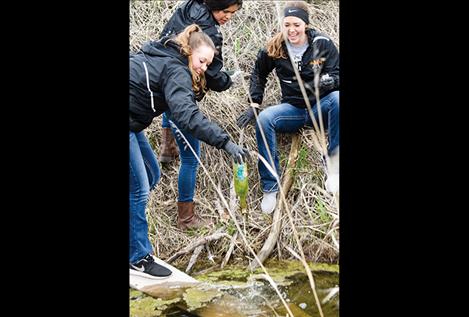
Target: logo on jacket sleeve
pixel 316 64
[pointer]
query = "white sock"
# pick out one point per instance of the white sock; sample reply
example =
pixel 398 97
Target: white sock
pixel 268 202
pixel 332 182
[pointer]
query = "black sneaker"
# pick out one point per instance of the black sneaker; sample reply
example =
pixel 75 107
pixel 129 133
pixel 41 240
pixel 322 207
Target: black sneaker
pixel 147 267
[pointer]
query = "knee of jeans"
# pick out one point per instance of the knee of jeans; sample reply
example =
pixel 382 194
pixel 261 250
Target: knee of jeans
pixel 154 181
pixel 189 160
pixel 263 119
pixel 153 185
pixel 335 98
pixel 141 192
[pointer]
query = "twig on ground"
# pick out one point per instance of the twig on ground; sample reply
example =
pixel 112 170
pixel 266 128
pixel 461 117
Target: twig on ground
pixel 193 258
pixel 200 242
pixel 230 250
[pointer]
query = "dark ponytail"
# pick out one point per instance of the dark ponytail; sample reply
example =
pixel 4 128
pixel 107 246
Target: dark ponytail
pixel 215 5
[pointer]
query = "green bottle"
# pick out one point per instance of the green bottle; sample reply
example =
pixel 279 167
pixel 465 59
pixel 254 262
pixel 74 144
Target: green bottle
pixel 240 174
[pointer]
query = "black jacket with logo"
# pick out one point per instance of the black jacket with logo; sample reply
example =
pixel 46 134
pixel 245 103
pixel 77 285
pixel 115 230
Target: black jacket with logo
pixel 321 51
pixel 159 80
pixel 195 11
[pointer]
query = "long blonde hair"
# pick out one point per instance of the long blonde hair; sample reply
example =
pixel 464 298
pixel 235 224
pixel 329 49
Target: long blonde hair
pixel 275 44
pixel 190 39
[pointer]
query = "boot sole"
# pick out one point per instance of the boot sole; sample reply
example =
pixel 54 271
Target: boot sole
pixel 151 277
pixel 189 227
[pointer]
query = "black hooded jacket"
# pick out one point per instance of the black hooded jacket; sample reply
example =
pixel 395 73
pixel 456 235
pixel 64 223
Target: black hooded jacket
pixel 321 51
pixel 195 11
pixel 159 80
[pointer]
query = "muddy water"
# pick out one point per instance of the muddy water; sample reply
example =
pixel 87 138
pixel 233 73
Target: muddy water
pixel 234 291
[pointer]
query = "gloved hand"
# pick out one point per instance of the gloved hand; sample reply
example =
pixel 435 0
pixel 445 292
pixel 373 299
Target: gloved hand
pixel 247 116
pixel 326 83
pixel 237 152
pixel 234 75
pixel 180 138
pixel 237 74
pixel 200 95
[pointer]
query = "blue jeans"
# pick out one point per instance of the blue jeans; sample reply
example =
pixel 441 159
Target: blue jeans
pixel 144 174
pixel 286 118
pixel 189 164
pixel 165 121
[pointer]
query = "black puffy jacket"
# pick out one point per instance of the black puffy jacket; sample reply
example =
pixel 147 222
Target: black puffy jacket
pixel 321 51
pixel 160 80
pixel 195 11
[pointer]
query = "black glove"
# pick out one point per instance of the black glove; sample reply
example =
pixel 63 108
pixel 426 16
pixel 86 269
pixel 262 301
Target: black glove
pixel 237 152
pixel 200 95
pixel 246 117
pixel 326 83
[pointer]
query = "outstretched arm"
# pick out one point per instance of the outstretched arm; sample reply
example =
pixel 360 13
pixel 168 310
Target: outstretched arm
pixel 179 95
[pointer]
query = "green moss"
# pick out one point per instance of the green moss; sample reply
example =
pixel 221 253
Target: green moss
pixel 233 273
pixel 283 271
pixel 278 270
pixel 324 267
pixel 196 298
pixel 294 265
pixel 134 294
pixel 149 306
pixel 228 284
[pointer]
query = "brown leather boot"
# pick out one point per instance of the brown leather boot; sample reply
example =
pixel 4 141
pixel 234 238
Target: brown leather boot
pixel 187 219
pixel 169 149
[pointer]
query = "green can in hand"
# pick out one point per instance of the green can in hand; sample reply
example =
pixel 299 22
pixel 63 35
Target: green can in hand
pixel 240 175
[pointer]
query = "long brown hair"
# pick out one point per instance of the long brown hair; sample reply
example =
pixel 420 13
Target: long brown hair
pixel 190 39
pixel 275 44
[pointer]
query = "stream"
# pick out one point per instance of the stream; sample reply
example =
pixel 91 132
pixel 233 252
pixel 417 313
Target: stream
pixel 236 292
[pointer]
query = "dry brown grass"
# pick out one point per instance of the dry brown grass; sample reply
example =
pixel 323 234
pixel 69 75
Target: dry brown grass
pixel 315 212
